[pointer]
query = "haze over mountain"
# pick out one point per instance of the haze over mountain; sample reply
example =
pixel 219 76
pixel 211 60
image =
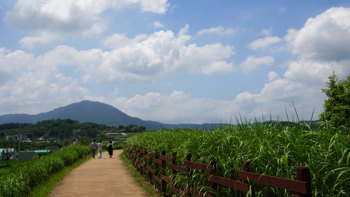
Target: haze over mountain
pixel 89 111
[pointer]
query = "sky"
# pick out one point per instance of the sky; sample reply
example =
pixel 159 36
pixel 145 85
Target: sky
pixel 194 61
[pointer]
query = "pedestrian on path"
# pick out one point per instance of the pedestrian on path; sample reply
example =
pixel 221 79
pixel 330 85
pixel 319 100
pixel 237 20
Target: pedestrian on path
pixel 110 149
pixel 93 148
pixel 100 146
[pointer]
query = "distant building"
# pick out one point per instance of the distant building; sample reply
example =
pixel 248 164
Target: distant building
pixel 41 138
pixel 9 137
pixel 24 137
pixel 26 155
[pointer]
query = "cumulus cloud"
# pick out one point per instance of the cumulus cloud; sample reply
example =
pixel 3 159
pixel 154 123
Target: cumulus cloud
pixel 272 76
pixel 48 21
pixel 217 30
pixel 39 91
pixel 324 37
pixel 179 107
pixel 157 24
pixel 142 59
pixel 253 62
pixel 264 43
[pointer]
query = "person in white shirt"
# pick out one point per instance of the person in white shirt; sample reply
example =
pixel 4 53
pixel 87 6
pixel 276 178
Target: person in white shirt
pixel 100 147
pixel 93 148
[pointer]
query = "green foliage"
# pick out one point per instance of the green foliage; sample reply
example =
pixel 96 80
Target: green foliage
pixel 2 134
pixel 46 136
pixel 18 181
pixel 337 106
pixel 57 129
pixel 274 150
pixel 6 155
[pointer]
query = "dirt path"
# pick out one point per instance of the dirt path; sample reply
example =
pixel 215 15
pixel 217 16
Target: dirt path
pixel 103 177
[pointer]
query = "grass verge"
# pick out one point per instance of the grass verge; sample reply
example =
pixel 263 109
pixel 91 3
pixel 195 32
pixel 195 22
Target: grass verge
pixel 143 181
pixel 46 187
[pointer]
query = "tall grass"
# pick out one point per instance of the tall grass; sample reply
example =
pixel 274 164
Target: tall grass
pixel 19 181
pixel 274 150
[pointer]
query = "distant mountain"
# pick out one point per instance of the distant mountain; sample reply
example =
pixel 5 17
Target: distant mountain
pixel 100 113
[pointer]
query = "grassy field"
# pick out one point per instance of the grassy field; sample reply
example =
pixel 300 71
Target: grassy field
pixel 274 150
pixel 19 180
pixel 3 164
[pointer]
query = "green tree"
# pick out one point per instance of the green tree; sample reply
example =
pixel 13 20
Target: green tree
pixel 6 155
pixel 2 134
pixel 337 106
pixel 135 129
pixel 142 128
pixel 46 136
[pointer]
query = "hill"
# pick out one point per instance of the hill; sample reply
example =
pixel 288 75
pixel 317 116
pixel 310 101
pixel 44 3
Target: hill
pixel 100 113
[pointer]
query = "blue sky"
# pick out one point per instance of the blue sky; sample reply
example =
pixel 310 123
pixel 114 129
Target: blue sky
pixel 172 61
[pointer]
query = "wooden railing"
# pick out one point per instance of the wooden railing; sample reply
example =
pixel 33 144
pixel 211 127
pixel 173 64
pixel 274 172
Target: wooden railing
pixel 144 161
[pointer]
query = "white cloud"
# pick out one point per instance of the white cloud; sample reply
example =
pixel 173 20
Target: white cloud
pixel 48 21
pixel 272 76
pixel 266 32
pixel 116 41
pixel 313 72
pixel 157 24
pixel 253 62
pixel 138 60
pixel 281 10
pixel 324 37
pixel 264 43
pixel 39 91
pixel 217 30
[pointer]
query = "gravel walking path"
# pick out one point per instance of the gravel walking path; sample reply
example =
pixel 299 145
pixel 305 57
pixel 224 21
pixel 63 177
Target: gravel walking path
pixel 105 177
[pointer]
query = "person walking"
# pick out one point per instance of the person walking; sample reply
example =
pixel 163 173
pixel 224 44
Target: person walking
pixel 93 148
pixel 100 147
pixel 110 148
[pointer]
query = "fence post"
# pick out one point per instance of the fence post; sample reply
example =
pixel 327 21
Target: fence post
pixel 303 174
pixel 174 156
pixel 247 168
pixel 150 165
pixel 141 161
pixel 163 172
pixel 189 158
pixel 213 186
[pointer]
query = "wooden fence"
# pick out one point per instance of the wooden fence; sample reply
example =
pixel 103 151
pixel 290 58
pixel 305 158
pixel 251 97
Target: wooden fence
pixel 144 161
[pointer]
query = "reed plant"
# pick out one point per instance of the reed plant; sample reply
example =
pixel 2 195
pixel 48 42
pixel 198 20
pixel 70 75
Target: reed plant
pixel 18 181
pixel 274 149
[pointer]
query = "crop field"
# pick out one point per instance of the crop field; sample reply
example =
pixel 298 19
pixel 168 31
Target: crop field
pixel 274 150
pixel 19 180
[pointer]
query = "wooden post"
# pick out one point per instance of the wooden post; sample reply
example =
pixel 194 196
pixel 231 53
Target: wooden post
pixel 247 168
pixel 163 172
pixel 150 160
pixel 303 174
pixel 213 186
pixel 174 156
pixel 189 158
pixel 140 160
pixel 156 167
